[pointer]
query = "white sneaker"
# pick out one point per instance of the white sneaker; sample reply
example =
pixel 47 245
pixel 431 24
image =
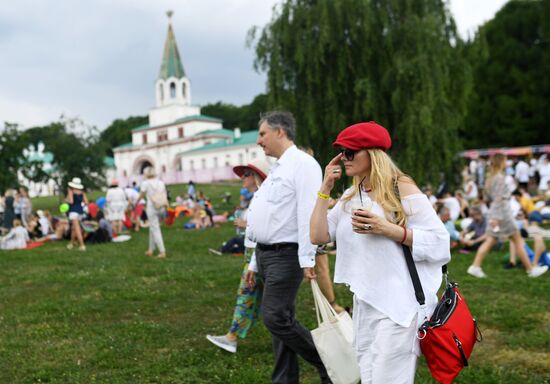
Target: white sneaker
pixel 476 272
pixel 223 342
pixel 537 270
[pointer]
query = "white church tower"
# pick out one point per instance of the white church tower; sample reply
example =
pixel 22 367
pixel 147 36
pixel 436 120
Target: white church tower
pixel 172 88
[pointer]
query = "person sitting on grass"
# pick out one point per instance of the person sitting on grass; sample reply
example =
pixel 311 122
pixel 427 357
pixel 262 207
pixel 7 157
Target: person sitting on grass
pixel 16 238
pixel 33 226
pixel 200 217
pixel 472 237
pixel 61 230
pixel 538 255
pixel 445 216
pixel 44 221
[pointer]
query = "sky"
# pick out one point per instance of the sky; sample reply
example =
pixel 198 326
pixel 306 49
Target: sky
pixel 98 59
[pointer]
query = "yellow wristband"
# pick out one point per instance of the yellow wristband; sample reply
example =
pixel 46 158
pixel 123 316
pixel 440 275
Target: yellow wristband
pixel 323 196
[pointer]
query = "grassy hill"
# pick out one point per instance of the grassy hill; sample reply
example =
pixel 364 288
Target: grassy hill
pixel 112 315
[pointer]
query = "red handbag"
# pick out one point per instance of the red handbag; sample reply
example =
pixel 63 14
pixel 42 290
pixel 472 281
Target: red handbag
pixel 448 337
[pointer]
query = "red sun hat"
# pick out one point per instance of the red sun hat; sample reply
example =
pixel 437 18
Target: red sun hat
pixel 364 135
pixel 260 166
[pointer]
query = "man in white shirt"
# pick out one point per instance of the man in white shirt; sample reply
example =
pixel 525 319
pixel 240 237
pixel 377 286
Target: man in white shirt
pixel 522 173
pixel 451 202
pixel 278 221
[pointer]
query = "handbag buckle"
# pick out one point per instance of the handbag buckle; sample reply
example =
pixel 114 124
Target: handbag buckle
pixel 421 334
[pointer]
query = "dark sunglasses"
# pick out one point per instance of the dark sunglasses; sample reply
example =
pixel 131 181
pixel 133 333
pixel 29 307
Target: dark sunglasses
pixel 247 173
pixel 348 154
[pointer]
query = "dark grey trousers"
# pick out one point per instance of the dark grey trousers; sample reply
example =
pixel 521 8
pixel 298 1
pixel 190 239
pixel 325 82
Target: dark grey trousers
pixel 282 276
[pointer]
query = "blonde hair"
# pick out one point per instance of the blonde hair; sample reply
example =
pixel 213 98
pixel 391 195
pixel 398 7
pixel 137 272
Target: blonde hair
pixel 498 163
pixel 384 175
pixel 16 222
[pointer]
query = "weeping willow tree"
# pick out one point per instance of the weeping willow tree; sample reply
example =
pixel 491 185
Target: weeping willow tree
pixel 399 62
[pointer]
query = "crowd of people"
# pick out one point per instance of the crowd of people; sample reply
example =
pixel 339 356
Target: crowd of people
pixel 286 216
pixel 500 200
pixel 119 212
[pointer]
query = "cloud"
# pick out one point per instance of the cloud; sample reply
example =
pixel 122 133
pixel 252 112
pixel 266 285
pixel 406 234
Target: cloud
pixel 100 58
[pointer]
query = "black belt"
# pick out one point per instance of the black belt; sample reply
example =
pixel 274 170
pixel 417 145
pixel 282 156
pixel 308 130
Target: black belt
pixel 276 246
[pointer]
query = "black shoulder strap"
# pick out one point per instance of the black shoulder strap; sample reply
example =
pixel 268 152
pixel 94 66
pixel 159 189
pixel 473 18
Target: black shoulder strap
pixel 418 291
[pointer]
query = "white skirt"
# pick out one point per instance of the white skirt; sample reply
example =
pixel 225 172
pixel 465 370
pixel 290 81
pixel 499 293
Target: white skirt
pixel 115 210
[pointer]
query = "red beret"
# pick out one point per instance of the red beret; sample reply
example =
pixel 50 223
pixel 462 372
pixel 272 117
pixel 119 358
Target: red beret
pixel 364 135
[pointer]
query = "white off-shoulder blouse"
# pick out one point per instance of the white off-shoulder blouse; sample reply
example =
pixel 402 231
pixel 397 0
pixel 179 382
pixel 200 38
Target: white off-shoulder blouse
pixel 374 266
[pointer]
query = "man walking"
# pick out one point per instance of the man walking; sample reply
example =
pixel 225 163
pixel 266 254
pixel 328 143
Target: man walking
pixel 278 221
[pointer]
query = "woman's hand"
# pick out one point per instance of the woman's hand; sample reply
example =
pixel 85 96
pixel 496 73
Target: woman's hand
pixel 250 278
pixel 333 171
pixel 240 223
pixel 366 222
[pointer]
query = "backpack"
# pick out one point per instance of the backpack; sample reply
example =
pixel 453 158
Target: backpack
pixel 159 198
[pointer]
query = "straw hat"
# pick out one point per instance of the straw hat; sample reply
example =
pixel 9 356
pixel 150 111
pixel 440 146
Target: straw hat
pixel 76 183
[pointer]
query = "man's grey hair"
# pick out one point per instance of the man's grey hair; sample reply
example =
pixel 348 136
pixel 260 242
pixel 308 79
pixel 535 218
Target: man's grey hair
pixel 280 119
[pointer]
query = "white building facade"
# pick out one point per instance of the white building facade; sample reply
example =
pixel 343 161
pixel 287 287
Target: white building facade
pixel 179 142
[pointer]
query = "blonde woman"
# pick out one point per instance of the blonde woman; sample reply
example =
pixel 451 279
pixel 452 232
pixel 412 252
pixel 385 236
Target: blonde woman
pixel 149 188
pixel 381 211
pixel 501 221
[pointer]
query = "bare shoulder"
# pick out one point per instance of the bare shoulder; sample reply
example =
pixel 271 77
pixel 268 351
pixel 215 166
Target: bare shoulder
pixel 407 186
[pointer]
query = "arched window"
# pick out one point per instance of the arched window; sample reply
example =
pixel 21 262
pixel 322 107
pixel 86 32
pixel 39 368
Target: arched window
pixel 172 90
pixel 161 91
pixel 183 90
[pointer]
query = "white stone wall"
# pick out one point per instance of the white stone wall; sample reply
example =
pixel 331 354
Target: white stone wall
pixel 190 128
pixel 169 113
pixel 232 156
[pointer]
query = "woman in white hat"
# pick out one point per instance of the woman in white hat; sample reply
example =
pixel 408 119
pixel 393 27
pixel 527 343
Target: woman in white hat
pixel 155 191
pixel 77 199
pixel 248 295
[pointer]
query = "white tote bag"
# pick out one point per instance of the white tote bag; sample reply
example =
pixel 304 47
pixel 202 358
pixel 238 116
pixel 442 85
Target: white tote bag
pixel 334 340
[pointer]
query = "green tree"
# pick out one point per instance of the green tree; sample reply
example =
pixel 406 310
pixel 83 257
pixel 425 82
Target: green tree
pixel 120 132
pixel 76 148
pixel 509 106
pixel 245 117
pixel 11 156
pixel 399 62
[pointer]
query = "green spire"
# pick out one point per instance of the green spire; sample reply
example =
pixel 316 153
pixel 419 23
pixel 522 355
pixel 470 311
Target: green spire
pixel 171 62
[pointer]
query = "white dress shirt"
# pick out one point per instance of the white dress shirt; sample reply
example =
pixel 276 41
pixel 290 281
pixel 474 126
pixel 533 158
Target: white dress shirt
pixel 374 266
pixel 522 172
pixel 281 208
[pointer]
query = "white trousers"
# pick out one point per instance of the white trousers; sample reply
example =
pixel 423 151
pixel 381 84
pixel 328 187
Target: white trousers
pixel 155 236
pixel 384 348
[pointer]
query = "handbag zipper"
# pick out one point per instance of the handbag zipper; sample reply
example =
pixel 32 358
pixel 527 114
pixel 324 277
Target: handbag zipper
pixel 459 345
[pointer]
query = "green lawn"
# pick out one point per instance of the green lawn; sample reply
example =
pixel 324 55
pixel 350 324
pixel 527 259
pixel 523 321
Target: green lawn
pixel 112 315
